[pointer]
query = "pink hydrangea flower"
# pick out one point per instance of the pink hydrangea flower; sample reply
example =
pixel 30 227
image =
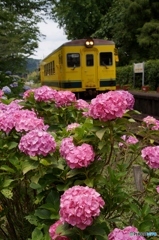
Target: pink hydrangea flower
pixel 12 107
pixel 26 120
pixel 151 122
pixel 13 116
pixel 129 98
pixel 76 156
pixel 53 234
pixel 157 189
pixel 80 205
pixel 125 234
pixel 64 98
pixel 72 126
pixel 81 104
pixel 66 146
pixel 108 106
pixel 129 140
pixel 7 119
pixel 37 142
pixel 27 93
pixel 80 156
pixel 151 156
pixel 45 94
pixel 7 122
pixel 3 107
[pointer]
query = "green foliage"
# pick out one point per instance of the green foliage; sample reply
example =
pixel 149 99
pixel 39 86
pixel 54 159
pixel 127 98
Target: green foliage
pixel 136 35
pixel 15 83
pixel 31 187
pixel 125 75
pixel 82 15
pixel 19 32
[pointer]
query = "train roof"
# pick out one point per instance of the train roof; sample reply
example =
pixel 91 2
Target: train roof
pixel 81 42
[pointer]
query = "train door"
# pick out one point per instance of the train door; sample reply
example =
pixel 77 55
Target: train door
pixel 107 71
pixel 89 69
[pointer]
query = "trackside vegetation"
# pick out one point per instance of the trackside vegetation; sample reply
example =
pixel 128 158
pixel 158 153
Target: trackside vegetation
pixel 125 75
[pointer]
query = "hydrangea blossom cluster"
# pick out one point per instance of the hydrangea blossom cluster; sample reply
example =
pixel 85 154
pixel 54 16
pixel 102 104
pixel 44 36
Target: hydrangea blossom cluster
pixel 157 189
pixel 10 108
pixel 72 126
pixel 36 143
pixel 81 104
pixel 45 94
pixel 151 122
pixel 14 84
pixel 26 88
pixel 7 119
pixel 80 205
pixel 129 99
pixel 129 140
pixel 6 122
pixel 6 90
pixel 3 107
pixel 76 156
pixel 108 106
pixel 26 120
pixel 53 234
pixel 64 98
pixel 125 234
pixel 14 106
pixel 66 146
pixel 151 156
pixel 27 93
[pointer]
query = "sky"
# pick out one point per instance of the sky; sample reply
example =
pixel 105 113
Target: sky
pixel 55 37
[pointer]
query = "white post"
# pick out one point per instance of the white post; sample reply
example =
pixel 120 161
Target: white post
pixel 143 76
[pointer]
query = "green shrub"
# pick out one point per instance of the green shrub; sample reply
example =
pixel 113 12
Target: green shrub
pixel 125 75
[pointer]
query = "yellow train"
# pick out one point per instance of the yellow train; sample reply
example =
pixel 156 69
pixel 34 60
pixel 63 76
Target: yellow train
pixel 82 66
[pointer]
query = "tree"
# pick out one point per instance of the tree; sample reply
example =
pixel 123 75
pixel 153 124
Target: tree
pixel 149 33
pixel 132 24
pixel 79 18
pixel 19 33
pixel 18 39
pixel 134 28
pixel 122 24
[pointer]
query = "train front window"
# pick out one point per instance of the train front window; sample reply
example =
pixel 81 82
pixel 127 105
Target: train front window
pixel 89 60
pixel 106 59
pixel 73 60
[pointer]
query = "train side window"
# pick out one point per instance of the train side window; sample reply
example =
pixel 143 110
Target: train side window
pixel 106 58
pixel 89 60
pixel 73 60
pixel 49 68
pixel 46 70
pixel 52 67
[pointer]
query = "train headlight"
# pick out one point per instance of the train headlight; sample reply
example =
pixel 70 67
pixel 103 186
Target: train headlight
pixel 89 43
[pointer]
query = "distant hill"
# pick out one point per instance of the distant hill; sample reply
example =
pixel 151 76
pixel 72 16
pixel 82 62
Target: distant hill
pixel 32 64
